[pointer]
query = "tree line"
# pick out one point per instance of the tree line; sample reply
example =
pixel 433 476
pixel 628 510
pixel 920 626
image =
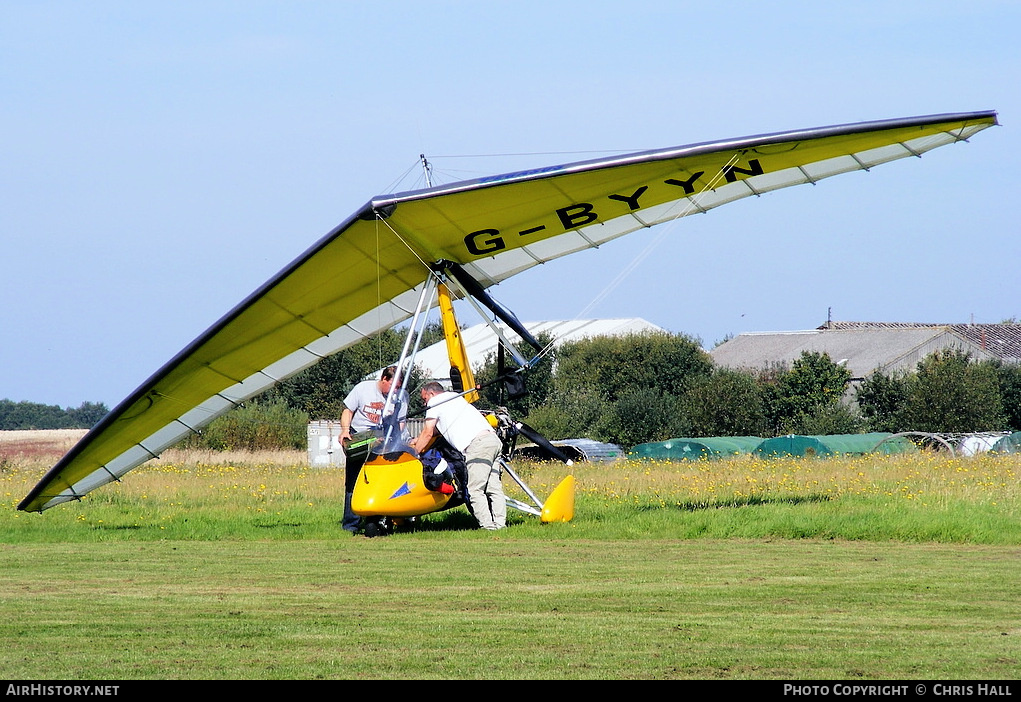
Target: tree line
pixel 656 386
pixel 34 415
pixel 279 417
pixel 629 390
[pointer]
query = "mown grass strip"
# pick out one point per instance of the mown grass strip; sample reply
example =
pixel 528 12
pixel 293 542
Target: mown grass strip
pixel 198 569
pixel 505 607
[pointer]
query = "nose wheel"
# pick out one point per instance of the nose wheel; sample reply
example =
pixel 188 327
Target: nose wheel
pixel 384 526
pixel 375 527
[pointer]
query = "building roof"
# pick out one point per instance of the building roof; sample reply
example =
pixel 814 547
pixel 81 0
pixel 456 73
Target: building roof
pixel 1001 340
pixel 480 340
pixel 862 349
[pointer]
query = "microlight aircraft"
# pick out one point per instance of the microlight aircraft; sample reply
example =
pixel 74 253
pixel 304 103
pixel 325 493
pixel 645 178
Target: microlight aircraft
pixel 396 485
pixel 367 274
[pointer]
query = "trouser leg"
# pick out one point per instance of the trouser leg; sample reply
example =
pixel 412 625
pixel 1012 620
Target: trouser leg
pixel 353 466
pixel 352 521
pixel 478 479
pixel 497 499
pixel 485 492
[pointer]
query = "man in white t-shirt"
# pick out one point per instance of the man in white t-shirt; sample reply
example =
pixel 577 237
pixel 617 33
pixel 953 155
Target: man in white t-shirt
pixel 467 430
pixel 363 410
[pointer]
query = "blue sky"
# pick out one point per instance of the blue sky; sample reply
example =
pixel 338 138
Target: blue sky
pixel 159 161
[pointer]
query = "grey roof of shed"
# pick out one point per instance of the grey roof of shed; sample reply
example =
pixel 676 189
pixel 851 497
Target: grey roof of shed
pixel 862 350
pixel 1001 340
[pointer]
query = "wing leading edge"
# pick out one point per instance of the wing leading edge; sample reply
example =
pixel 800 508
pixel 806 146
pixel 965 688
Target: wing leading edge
pixel 365 275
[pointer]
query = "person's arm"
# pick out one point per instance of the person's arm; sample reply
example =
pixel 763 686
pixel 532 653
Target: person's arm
pixel 345 425
pixel 421 442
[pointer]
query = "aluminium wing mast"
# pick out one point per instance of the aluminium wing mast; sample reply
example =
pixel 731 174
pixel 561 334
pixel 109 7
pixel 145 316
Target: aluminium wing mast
pixel 428 169
pixel 476 294
pixel 393 430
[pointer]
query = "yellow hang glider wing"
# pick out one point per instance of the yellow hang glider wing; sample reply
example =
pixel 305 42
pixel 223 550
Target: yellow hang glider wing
pixel 365 275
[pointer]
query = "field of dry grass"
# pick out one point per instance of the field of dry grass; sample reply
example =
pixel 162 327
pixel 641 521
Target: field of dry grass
pixel 48 445
pixel 38 444
pixel 923 496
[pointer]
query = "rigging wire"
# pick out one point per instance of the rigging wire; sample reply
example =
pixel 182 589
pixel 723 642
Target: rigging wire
pixel 692 205
pixel 379 299
pixel 430 168
pixel 400 179
pixel 644 254
pixel 401 239
pixel 540 153
pixel 647 251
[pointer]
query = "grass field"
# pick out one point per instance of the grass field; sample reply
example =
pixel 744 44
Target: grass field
pixel 219 566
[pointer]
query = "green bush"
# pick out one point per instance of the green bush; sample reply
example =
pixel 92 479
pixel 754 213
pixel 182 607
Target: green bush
pixel 319 390
pixel 813 382
pixel 572 413
pixel 726 403
pixel 881 399
pixel 614 365
pixel 949 393
pixel 1010 392
pixel 255 426
pixel 640 415
pixel 623 389
pixel 837 418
